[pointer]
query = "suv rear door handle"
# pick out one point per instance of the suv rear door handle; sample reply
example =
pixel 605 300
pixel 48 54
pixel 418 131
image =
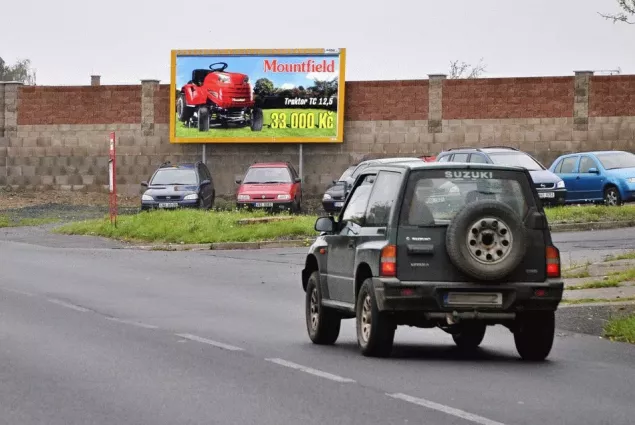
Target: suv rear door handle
pixel 351 244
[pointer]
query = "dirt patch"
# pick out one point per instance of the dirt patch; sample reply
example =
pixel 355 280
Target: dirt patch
pixel 10 200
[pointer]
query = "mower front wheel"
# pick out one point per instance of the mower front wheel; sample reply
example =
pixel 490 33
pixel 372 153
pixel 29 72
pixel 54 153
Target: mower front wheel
pixel 203 119
pixel 256 120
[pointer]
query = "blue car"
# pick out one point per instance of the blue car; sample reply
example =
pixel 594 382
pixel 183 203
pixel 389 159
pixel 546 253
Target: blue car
pixel 601 176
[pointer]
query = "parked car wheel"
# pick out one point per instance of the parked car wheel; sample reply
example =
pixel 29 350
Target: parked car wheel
pixel 612 196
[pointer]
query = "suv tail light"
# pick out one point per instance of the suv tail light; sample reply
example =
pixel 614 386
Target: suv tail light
pixel 388 263
pixel 553 261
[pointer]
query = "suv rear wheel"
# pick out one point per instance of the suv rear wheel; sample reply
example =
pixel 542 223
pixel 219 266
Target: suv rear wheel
pixel 470 335
pixel 534 335
pixel 322 323
pixel 375 331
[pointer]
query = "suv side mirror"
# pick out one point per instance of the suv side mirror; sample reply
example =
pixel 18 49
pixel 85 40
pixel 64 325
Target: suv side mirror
pixel 324 224
pixel 144 184
pixel 238 181
pixel 594 170
pixel 298 180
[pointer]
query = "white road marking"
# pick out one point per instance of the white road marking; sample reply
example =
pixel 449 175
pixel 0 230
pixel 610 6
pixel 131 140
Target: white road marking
pixel 210 342
pixel 445 409
pixel 315 372
pixel 15 291
pixel 68 305
pixel 130 322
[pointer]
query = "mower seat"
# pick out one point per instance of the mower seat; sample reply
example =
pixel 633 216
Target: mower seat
pixel 198 76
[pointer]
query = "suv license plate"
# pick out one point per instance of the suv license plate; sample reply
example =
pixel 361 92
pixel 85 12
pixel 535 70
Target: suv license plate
pixel 474 298
pixel 339 204
pixel 168 205
pixel 264 204
pixel 546 195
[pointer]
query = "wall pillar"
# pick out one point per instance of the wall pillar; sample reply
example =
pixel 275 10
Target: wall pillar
pixel 148 88
pixel 9 108
pixel 435 103
pixel 581 100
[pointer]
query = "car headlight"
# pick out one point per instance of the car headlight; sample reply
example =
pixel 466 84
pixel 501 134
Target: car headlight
pixel 327 197
pixel 560 184
pixel 191 197
pixel 243 197
pixel 284 196
pixel 631 180
pixel 147 198
pixel 223 78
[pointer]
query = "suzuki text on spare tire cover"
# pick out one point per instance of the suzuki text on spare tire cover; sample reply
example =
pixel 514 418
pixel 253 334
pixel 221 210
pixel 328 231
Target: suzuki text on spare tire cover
pixel 456 246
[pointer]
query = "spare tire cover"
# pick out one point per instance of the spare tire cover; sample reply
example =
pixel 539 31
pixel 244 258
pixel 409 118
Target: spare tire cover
pixel 486 240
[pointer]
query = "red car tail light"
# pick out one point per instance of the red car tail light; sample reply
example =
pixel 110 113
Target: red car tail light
pixel 388 264
pixel 553 261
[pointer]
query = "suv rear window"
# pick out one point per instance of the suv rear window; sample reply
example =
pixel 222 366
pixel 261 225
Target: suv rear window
pixel 433 197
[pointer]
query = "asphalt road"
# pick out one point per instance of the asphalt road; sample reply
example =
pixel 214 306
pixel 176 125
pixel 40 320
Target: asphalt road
pixel 95 335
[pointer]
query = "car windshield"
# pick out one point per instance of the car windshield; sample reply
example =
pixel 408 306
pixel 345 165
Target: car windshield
pixel 174 176
pixel 266 175
pixel 516 160
pixel 346 174
pixel 616 160
pixel 433 198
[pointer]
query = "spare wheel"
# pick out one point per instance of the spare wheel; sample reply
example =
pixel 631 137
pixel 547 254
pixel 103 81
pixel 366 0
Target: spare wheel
pixel 486 240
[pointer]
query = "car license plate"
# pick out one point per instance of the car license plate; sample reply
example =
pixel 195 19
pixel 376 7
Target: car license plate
pixel 339 204
pixel 546 195
pixel 264 204
pixel 168 205
pixel 473 298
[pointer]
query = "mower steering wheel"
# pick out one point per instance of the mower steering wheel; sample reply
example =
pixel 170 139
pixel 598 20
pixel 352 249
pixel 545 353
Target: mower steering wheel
pixel 218 69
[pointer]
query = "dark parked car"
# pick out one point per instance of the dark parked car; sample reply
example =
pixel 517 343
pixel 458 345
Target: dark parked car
pixel 551 188
pixel 179 186
pixel 334 197
pixel 450 245
pixel 602 176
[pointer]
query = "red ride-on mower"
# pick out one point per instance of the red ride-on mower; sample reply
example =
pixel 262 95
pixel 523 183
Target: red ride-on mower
pixel 215 97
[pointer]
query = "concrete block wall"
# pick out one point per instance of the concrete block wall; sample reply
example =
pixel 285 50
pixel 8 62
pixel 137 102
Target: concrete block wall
pixel 57 137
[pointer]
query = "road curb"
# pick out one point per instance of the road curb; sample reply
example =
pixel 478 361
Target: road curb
pixel 222 246
pixel 596 225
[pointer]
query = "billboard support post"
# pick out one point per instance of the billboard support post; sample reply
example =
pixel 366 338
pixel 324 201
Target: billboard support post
pixel 112 179
pixel 204 154
pixel 301 161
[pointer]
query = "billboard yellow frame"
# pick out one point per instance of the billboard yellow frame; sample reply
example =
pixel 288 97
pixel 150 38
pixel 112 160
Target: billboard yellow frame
pixel 339 138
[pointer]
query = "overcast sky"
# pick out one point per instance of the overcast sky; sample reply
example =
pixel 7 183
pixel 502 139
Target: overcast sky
pixel 125 41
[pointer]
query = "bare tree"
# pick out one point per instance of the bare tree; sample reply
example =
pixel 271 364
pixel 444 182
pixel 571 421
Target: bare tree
pixel 465 70
pixel 628 9
pixel 21 71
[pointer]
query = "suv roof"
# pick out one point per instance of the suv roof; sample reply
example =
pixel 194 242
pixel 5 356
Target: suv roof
pixel 269 164
pixel 485 149
pixel 422 165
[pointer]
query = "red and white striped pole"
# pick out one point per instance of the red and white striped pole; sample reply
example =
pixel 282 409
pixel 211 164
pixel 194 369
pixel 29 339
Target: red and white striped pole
pixel 112 179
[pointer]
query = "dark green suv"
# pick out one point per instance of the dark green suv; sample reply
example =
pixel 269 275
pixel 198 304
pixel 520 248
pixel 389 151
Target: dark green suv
pixel 454 246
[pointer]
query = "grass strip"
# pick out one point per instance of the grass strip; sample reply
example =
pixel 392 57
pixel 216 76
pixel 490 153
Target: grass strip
pixel 193 227
pixel 589 213
pixel 621 329
pixel 597 300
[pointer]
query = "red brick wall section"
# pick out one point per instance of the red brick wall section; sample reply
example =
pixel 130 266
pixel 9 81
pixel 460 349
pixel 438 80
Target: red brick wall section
pixel 44 105
pixel 612 96
pixel 540 97
pixel 162 105
pixel 386 100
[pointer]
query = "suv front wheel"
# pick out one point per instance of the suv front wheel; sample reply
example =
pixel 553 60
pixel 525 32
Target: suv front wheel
pixel 322 323
pixel 375 331
pixel 534 335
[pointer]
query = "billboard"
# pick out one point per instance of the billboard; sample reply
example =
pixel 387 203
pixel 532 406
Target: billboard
pixel 257 96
